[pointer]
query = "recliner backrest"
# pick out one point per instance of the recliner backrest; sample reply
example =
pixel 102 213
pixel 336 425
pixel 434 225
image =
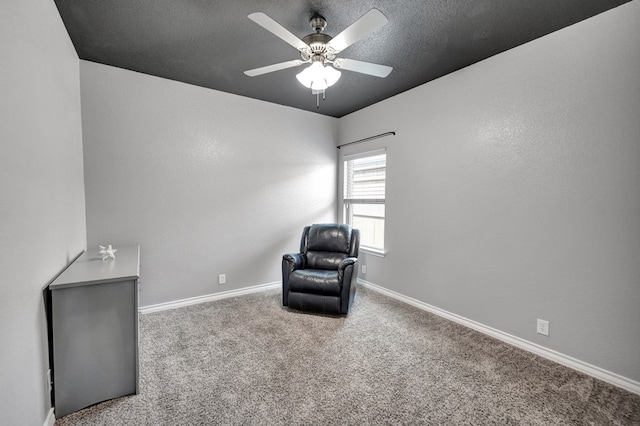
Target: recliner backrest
pixel 326 245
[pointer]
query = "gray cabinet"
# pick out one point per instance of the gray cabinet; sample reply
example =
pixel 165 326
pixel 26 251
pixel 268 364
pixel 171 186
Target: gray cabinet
pixel 94 305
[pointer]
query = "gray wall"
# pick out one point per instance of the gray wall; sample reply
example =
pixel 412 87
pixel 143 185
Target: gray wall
pixel 206 182
pixel 513 188
pixel 42 221
pixel 513 191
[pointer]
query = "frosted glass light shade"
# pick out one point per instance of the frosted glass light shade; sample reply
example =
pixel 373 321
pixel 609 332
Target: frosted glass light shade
pixel 318 77
pixel 331 75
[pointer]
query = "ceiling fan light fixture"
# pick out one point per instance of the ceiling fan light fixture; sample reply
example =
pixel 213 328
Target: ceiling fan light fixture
pixel 331 75
pixel 318 77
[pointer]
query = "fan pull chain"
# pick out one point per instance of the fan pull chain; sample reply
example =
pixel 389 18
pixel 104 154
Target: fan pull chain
pixel 318 98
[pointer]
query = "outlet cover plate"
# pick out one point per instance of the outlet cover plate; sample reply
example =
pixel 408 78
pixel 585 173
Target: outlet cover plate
pixel 543 327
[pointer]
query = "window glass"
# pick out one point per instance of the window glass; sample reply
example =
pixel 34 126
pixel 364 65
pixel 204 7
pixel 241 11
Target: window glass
pixel 364 198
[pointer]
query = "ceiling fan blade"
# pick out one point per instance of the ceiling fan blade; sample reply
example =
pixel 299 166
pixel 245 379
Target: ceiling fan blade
pixel 368 22
pixel 362 67
pixel 275 67
pixel 272 26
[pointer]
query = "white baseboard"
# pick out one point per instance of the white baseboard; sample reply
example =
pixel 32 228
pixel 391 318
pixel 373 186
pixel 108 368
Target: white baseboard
pixel 51 418
pixel 583 367
pixel 207 298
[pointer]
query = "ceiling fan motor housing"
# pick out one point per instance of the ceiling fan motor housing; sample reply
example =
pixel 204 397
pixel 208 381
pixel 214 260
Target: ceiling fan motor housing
pixel 317 43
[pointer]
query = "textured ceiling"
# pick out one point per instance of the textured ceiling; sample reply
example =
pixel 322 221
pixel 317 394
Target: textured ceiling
pixel 210 43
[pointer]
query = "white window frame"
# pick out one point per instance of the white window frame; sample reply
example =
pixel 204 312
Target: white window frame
pixel 346 203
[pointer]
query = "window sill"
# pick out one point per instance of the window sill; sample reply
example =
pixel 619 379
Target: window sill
pixel 373 252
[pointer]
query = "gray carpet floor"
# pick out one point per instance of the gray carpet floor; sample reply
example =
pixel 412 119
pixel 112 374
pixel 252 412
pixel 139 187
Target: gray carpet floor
pixel 249 361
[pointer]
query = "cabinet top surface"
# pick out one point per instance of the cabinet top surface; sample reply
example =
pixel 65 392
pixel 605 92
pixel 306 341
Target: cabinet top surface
pixel 89 268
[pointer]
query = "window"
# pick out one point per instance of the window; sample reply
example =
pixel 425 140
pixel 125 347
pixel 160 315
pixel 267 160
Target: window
pixel 364 196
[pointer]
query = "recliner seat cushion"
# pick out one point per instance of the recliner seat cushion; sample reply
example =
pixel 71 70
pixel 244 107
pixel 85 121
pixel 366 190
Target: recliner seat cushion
pixel 315 281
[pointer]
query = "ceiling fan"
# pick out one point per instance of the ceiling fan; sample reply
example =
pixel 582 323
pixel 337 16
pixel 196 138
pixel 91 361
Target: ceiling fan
pixel 320 50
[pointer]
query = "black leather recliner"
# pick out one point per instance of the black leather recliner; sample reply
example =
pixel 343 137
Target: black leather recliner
pixel 322 277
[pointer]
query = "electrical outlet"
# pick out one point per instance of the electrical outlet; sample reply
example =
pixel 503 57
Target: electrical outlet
pixel 364 269
pixel 222 279
pixel 49 380
pixel 543 327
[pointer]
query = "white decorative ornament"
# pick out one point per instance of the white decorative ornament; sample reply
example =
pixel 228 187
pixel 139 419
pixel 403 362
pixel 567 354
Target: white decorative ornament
pixel 107 252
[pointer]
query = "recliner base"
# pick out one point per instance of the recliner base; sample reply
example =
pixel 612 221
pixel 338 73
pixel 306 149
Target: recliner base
pixel 315 303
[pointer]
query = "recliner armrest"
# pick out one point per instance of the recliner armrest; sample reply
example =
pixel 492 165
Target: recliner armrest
pixel 349 261
pixel 290 262
pixel 347 276
pixel 295 261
